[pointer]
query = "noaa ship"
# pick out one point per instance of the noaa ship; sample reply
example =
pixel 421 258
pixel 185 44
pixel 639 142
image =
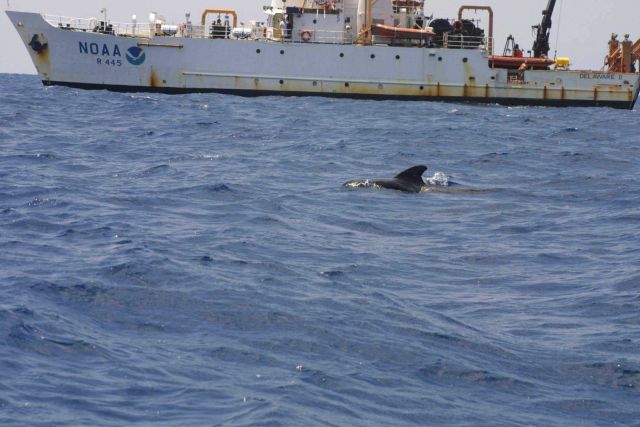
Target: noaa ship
pixel 382 49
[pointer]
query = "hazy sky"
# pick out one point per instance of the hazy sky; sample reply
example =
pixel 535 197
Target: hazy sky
pixel 583 26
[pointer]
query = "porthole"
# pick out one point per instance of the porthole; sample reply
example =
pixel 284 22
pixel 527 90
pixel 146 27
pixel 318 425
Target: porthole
pixel 282 52
pixel 281 82
pixel 315 21
pixel 373 56
pixel 397 56
pixel 465 60
pixel 440 58
pixel 315 83
pixel 341 55
pixel 346 84
pixel 421 87
pixel 258 50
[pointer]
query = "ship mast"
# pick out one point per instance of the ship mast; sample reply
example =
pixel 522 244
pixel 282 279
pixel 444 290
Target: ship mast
pixel 364 21
pixel 541 45
pixel 369 21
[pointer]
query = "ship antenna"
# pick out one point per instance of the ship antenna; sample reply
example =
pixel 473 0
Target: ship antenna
pixel 555 55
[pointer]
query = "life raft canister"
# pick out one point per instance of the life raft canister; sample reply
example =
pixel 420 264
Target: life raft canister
pixel 306 36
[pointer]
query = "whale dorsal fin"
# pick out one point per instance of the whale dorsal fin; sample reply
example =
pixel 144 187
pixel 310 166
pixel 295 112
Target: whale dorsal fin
pixel 413 175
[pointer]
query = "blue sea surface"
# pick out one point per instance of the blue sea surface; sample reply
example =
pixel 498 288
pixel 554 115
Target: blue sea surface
pixel 195 260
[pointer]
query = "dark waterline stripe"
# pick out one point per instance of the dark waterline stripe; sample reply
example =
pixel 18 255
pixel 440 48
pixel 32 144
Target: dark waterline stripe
pixel 255 93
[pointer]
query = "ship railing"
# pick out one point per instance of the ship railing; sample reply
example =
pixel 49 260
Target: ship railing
pixel 271 34
pixel 147 30
pixel 133 29
pixel 460 41
pixel 316 36
pixel 70 23
pixel 97 25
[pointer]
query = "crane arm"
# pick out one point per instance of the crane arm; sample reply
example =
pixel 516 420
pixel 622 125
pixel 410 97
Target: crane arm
pixel 541 45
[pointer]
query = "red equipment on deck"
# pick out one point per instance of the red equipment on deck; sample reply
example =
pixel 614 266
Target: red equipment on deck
pixel 514 62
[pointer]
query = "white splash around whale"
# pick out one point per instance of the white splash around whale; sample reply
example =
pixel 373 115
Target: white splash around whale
pixel 439 179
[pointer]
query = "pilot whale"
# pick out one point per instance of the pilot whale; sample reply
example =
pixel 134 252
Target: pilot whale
pixel 409 181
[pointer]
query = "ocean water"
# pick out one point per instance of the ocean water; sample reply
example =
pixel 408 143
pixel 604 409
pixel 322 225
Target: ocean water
pixel 194 260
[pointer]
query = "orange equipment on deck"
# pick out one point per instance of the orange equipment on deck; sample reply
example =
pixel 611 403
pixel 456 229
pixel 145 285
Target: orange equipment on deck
pixel 623 56
pixel 515 62
pixel 401 33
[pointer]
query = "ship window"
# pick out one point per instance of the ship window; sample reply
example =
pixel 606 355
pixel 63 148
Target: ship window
pixel 315 21
pixel 282 52
pixel 281 82
pixel 373 56
pixel 341 55
pixel 257 50
pixel 346 84
pixel 397 56
pixel 465 59
pixel 421 87
pixel 440 58
pixel 315 83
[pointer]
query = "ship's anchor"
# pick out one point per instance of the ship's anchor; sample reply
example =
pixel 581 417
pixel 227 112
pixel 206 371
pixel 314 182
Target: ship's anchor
pixel 37 45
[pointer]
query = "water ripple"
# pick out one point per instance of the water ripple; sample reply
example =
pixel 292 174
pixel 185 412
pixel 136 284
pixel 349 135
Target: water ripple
pixel 193 260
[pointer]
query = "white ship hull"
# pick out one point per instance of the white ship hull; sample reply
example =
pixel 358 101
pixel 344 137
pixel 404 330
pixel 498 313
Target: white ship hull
pixel 93 60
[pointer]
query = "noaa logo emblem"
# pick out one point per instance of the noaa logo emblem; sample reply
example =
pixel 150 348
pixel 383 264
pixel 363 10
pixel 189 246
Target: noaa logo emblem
pixel 135 55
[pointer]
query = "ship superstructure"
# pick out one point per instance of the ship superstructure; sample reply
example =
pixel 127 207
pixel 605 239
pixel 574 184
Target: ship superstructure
pixel 344 48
